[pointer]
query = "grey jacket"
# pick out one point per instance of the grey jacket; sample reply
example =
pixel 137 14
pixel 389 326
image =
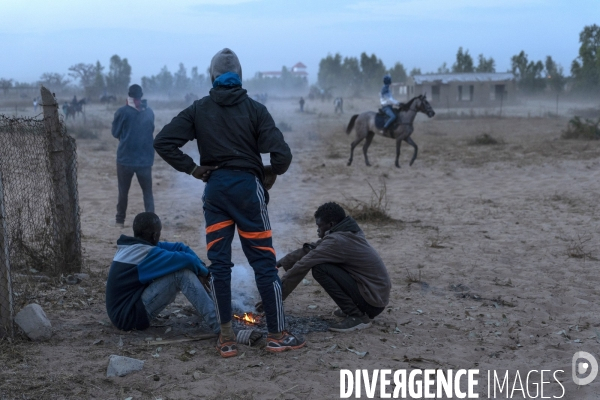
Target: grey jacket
pixel 346 246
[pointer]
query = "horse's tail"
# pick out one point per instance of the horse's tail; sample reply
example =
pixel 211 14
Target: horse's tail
pixel 351 124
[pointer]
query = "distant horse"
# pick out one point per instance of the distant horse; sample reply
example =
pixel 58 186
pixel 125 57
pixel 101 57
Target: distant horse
pixel 339 105
pixel 73 108
pixel 366 127
pixel 105 99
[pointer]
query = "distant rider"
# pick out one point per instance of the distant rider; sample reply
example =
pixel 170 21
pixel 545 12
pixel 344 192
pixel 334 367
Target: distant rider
pixel 387 101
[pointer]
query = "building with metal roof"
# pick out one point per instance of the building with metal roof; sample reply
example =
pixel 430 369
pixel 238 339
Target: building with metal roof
pixel 468 89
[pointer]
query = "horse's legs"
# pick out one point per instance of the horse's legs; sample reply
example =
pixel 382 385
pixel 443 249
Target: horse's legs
pixel 366 146
pixel 353 145
pixel 398 143
pixel 413 144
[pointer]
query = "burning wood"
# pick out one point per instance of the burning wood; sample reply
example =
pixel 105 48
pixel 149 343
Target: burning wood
pixel 248 318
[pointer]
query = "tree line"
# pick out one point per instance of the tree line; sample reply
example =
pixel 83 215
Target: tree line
pixel 345 75
pixel 355 75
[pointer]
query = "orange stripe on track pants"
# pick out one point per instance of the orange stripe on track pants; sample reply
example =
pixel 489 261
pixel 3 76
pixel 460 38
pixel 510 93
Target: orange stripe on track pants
pixel 219 225
pixel 255 235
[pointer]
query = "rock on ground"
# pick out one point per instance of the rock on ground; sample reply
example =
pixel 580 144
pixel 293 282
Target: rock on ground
pixel 121 366
pixel 33 321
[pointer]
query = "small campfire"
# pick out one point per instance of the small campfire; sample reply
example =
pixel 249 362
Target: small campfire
pixel 248 318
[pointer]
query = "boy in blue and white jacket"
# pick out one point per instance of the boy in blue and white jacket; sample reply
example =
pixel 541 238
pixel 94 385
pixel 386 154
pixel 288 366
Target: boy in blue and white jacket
pixel 146 275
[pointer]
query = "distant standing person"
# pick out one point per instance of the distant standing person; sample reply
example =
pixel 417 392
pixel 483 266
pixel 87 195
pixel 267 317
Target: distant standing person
pixel 339 105
pixel 301 104
pixel 35 104
pixel 133 125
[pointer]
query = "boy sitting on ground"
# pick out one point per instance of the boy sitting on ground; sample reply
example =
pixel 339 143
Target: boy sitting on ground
pixel 345 265
pixel 146 275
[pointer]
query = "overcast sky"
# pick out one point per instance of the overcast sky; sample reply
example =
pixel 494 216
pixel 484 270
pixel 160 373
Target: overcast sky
pixel 38 36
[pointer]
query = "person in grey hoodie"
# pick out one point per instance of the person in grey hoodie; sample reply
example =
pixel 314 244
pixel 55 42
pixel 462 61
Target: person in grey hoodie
pixel 345 265
pixel 232 131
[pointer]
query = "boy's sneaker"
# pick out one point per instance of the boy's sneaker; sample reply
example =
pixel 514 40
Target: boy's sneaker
pixel 351 324
pixel 288 341
pixel 339 313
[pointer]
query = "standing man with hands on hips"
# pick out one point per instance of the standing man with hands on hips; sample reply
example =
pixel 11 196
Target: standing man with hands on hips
pixel 232 131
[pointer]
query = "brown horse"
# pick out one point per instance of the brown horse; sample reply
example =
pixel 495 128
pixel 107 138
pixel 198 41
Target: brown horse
pixel 366 129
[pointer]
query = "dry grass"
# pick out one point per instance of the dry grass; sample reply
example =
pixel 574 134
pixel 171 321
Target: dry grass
pixel 577 248
pixel 374 210
pixel 485 139
pixel 582 129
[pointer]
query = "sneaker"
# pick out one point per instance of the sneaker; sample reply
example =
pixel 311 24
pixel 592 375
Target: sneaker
pixel 288 341
pixel 120 225
pixel 339 313
pixel 351 324
pixel 227 348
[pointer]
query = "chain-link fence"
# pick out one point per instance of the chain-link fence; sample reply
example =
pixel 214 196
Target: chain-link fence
pixel 39 212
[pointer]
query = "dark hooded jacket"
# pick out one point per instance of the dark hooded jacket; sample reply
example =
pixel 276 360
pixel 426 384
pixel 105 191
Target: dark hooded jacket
pixel 232 131
pixel 344 245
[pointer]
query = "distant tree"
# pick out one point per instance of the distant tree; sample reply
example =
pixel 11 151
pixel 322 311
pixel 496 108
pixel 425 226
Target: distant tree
pixel 54 81
pixel 181 82
pixel 464 61
pixel 486 65
pixel 398 73
pixel 528 73
pixel 5 85
pixel 373 71
pixel 119 75
pixel 198 82
pixel 443 69
pixel 159 83
pixel 85 73
pixel 330 71
pixel 555 76
pixel 586 67
pixel 352 75
pixel 99 84
pixel 415 71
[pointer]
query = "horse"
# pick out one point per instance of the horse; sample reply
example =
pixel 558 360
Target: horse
pixel 366 127
pixel 71 109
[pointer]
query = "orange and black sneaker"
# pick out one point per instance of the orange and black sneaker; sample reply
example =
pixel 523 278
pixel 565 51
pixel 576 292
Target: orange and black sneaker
pixel 227 347
pixel 287 341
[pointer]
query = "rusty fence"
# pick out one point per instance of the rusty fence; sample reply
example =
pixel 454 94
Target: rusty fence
pixel 39 209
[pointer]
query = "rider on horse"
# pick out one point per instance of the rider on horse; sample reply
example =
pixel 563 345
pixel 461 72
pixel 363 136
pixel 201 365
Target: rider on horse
pixel 387 101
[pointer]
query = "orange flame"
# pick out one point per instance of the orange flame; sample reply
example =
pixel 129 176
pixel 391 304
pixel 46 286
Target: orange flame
pixel 248 318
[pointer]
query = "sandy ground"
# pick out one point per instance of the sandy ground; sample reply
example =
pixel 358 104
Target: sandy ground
pixel 492 251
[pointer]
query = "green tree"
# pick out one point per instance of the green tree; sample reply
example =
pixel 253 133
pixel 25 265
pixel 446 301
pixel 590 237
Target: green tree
pixel 443 69
pixel 85 73
pixel 528 73
pixel 555 77
pixel 464 61
pixel 415 71
pixel 373 71
pixel 398 73
pixel 119 75
pixel 586 67
pixel 330 71
pixel 5 85
pixel 198 82
pixel 181 82
pixel 53 81
pixel 486 64
pixel 97 88
pixel 352 76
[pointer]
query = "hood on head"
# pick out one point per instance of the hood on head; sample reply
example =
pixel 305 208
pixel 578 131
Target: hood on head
pixel 224 61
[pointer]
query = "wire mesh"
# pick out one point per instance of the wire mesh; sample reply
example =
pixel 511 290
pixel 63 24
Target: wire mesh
pixel 39 212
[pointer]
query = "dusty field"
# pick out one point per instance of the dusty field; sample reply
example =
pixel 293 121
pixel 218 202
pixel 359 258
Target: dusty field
pixel 492 252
